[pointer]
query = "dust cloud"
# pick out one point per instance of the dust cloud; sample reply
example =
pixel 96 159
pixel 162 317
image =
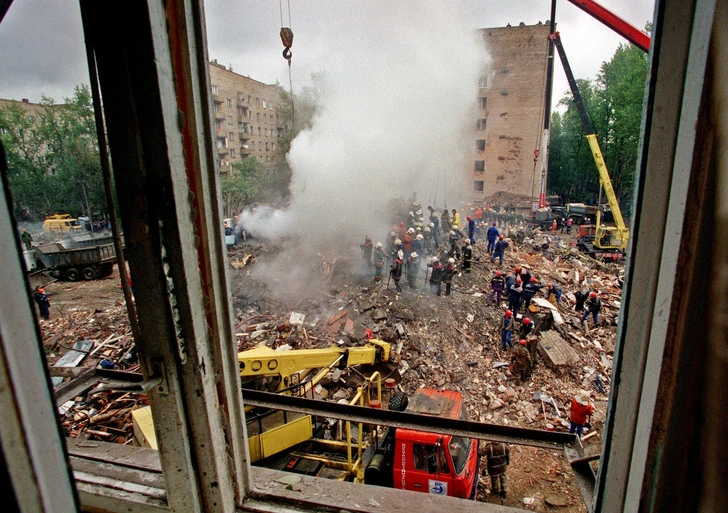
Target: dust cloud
pixel 396 116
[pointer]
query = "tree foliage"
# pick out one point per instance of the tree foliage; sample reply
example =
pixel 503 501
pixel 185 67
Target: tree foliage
pixel 614 104
pixel 243 186
pixel 53 157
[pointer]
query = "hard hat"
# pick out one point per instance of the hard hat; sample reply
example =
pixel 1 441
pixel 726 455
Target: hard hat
pixel 551 285
pixel 427 229
pixel 419 212
pixel 431 225
pixel 411 213
pixel 400 254
pixel 497 273
pixel 509 314
pixel 413 254
pixel 392 234
pixel 493 224
pixel 533 280
pixel 523 342
pixel 467 217
pixel 411 230
pixel 416 203
pixel 420 236
pixel 526 321
pixel 500 237
pixel 593 295
pixel 418 229
pixel 397 242
pixel 519 280
pixel 452 232
pixel 379 245
pixel 517 269
pixel 451 260
pixel 42 291
pixel 435 259
pixel 367 237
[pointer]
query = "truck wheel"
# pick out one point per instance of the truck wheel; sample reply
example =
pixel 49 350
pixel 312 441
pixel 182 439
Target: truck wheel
pixel 398 401
pixel 107 269
pixel 72 274
pixel 89 273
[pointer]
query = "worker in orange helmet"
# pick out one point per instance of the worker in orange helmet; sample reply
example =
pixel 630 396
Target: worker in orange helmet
pixel 43 303
pixel 592 306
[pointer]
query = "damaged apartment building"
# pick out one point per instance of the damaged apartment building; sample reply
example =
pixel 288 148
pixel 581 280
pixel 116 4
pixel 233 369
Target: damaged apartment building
pixel 664 448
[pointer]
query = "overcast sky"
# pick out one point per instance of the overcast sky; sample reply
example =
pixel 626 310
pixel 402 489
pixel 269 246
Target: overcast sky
pixel 42 45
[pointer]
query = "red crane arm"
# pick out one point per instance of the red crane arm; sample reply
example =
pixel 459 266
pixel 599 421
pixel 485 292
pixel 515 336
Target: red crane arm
pixel 614 22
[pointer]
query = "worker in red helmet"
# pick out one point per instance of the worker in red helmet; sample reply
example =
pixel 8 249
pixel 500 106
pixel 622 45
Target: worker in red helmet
pixel 471 229
pixel 44 305
pixel 592 306
pixel 521 361
pixel 530 289
pixel 514 296
pixel 499 250
pixel 497 285
pixel 507 325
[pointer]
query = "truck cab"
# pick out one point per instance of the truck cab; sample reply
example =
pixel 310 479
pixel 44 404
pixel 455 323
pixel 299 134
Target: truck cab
pixel 61 223
pixel 434 463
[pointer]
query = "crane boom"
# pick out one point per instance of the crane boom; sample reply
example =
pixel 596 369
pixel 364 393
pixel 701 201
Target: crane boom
pixel 614 22
pixel 606 237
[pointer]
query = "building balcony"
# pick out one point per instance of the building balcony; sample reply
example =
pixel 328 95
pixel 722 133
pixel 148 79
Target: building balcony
pixel 221 134
pixel 243 109
pixel 242 119
pixel 222 150
pixel 225 168
pixel 217 98
pixel 220 115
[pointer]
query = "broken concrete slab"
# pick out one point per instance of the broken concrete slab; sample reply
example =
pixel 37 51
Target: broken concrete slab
pixel 556 351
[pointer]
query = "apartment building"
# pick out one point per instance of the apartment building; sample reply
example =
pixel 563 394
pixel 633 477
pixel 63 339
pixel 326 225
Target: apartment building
pixel 247 118
pixel 510 111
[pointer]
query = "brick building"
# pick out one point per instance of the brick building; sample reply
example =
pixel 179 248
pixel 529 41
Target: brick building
pixel 510 111
pixel 247 118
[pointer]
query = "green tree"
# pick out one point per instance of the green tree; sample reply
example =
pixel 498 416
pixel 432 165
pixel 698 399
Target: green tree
pixel 53 157
pixel 242 187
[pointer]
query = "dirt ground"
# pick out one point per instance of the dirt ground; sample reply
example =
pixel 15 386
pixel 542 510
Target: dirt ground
pixel 441 342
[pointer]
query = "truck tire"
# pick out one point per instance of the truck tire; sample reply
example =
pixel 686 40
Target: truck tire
pixel 72 274
pixel 107 269
pixel 89 273
pixel 398 401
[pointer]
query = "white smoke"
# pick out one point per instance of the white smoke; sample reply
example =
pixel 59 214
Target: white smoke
pixel 396 119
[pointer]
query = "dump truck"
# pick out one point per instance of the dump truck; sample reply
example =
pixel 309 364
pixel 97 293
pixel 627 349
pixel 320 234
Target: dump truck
pixel 74 264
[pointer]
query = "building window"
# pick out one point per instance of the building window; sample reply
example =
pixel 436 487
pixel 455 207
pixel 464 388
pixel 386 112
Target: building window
pixel 214 89
pixel 479 185
pixel 260 131
pixel 481 124
pixel 231 136
pixel 480 144
pixel 230 120
pixel 264 104
pixel 267 147
pixel 479 166
pixel 483 81
pixel 232 153
pixel 228 102
pixel 273 146
pixel 257 117
pixel 267 159
pixel 483 103
pixel 257 102
pixel 260 148
pixel 266 132
pixel 241 97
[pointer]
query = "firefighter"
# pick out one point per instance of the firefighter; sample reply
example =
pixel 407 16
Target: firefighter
pixel 43 303
pixel 454 248
pixel 436 276
pixel 379 257
pixel 507 324
pixel 366 250
pixel 445 224
pixel 497 460
pixel 395 270
pixel 427 236
pixel 467 257
pixel 418 245
pixel 413 270
pixel 521 361
pixel 497 285
pixel 447 275
pixel 456 224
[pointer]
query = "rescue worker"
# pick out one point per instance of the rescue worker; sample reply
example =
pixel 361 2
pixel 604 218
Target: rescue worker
pixel 531 341
pixel 391 237
pixel 436 276
pixel 507 324
pixel 447 274
pixel 456 223
pixel 569 222
pixel 497 285
pixel 435 226
pixel 498 457
pixel 467 257
pixel 395 270
pixel 445 224
pixel 43 303
pixel 581 296
pixel 524 274
pixel 427 235
pixel 379 257
pixel 521 361
pixel 418 245
pixel 553 294
pixel 410 219
pixel 530 289
pixel 26 238
pixel 396 248
pixel 554 225
pixel 409 236
pixel 366 250
pixel 592 306
pixel 419 221
pixel 454 248
pixel 492 234
pixel 514 296
pixel 580 412
pixel 471 229
pixel 413 270
pixel 498 250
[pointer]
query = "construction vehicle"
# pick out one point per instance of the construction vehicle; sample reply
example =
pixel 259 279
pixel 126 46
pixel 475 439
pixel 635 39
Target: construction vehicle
pixel 61 223
pixel 334 449
pixel 610 238
pixel 88 263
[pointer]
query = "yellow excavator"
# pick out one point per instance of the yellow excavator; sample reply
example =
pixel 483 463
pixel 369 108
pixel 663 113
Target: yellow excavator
pixel 294 372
